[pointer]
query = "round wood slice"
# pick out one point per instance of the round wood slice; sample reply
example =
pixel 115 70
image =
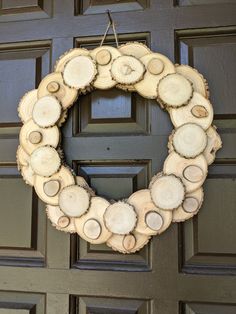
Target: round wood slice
pixel 189 140
pixel 175 164
pixel 82 182
pixel 46 111
pixel 28 174
pixel 190 207
pixel 74 200
pixel 120 218
pixel 53 84
pixel 104 79
pixel 48 188
pixel 79 72
pixel 199 83
pixel 26 105
pixel 167 192
pixel 91 226
pixel 32 136
pixel 67 56
pixel 59 220
pixel 174 90
pixel 214 143
pixel 45 161
pixel 185 114
pixel 151 219
pixel 148 86
pixel 22 157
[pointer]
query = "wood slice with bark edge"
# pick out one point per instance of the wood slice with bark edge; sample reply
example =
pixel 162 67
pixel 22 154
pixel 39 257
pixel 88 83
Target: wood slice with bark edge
pixel 97 208
pixel 199 83
pixel 67 56
pixel 28 174
pixel 26 105
pixel 184 114
pixel 45 161
pixel 214 143
pixel 79 72
pixel 189 140
pixel 120 218
pixel 82 182
pixel 63 176
pixel 148 86
pixel 143 204
pixel 180 214
pixel 175 164
pixel 49 136
pixel 22 158
pixel 117 242
pixel 167 191
pixel 55 215
pixel 104 79
pixel 46 111
pixel 53 84
pixel 62 118
pixel 74 200
pixel 174 90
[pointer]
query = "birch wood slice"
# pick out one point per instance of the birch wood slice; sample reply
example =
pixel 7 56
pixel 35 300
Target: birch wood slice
pixel 32 136
pixel 177 165
pixel 79 72
pixel 67 56
pixel 214 143
pixel 190 207
pixel 53 84
pixel 153 61
pixel 59 220
pixel 74 201
pixel 22 157
pixel 128 244
pixel 26 105
pixel 91 226
pixel 186 114
pixel 48 189
pixel 45 161
pixel 199 83
pixel 46 111
pixel 104 79
pixel 167 192
pixel 82 182
pixel 151 220
pixel 189 140
pixel 120 218
pixel 28 174
pixel 174 90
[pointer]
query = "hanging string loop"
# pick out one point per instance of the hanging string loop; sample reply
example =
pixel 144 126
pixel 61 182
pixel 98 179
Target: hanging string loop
pixel 110 24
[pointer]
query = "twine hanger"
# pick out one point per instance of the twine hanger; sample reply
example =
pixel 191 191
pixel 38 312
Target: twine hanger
pixel 110 24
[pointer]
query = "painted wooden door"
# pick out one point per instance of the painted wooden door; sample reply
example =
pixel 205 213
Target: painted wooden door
pixel 117 141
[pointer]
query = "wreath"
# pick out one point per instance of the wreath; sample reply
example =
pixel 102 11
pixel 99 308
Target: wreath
pixel 174 195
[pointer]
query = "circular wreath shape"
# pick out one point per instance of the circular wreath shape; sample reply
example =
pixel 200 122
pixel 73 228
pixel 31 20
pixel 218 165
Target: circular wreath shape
pixel 173 195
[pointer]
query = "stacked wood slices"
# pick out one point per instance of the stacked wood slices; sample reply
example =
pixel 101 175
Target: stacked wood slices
pixel 173 195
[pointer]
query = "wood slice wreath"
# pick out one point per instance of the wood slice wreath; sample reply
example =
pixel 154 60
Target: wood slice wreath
pixel 173 195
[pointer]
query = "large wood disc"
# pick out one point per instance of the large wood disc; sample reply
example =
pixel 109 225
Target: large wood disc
pixel 153 61
pixel 120 218
pixel 135 49
pixel 177 165
pixel 214 143
pixel 45 161
pixel 60 220
pixel 22 157
pixel 53 84
pixel 26 105
pixel 167 191
pixel 189 140
pixel 32 136
pixel 151 219
pixel 46 111
pixel 187 114
pixel 190 207
pixel 67 56
pixel 79 72
pixel 48 188
pixel 28 174
pixel 91 226
pixel 74 200
pixel 174 90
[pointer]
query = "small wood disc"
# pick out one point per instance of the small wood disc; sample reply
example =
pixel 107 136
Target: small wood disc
pixel 63 222
pixel 120 218
pixel 26 105
pixel 155 66
pixel 46 111
pixel 79 72
pixel 35 137
pixel 193 173
pixel 59 220
pixel 154 220
pixel 189 140
pixel 129 242
pixel 45 161
pixel 92 229
pixel 190 204
pixel 167 192
pixel 214 143
pixel 174 90
pixel 51 187
pixel 22 157
pixel 67 56
pixel 199 111
pixel 103 57
pixel 74 200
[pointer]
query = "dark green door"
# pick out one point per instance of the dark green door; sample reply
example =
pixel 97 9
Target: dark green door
pixel 117 141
